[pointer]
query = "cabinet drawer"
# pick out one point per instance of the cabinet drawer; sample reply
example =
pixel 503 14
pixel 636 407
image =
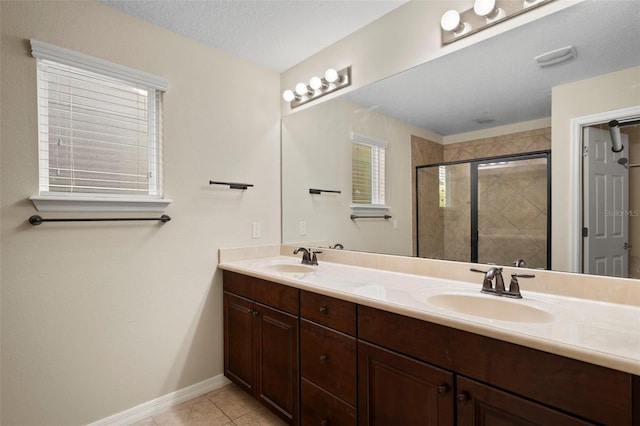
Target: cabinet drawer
pixel 269 293
pixel 321 408
pixel 328 358
pixel 329 311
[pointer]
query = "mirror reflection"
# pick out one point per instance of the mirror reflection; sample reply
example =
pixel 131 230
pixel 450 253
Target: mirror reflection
pixel 491 100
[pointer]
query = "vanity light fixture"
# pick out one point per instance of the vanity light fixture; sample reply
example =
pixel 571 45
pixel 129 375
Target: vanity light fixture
pixel 333 80
pixel 485 13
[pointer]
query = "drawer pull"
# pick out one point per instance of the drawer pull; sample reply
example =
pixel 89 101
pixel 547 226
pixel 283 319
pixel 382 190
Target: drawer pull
pixel 463 397
pixel 443 389
pixel 324 309
pixel 324 358
pixel 324 422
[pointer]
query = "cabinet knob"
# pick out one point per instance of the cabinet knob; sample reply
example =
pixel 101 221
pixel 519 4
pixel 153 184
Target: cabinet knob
pixel 324 309
pixel 444 388
pixel 254 312
pixel 323 358
pixel 463 397
pixel 324 422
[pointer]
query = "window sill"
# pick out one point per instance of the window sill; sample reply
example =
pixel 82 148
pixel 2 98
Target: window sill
pixel 369 208
pixel 62 203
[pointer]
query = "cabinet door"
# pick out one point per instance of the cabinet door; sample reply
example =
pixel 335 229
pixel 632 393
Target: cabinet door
pixel 277 358
pixel 479 404
pixel 239 348
pixel 397 390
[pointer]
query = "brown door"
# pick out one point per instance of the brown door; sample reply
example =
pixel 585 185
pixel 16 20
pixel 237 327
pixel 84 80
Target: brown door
pixel 478 404
pixel 398 390
pixel 239 352
pixel 277 359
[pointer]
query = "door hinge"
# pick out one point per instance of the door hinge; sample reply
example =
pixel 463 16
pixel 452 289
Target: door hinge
pixel 585 232
pixel 585 151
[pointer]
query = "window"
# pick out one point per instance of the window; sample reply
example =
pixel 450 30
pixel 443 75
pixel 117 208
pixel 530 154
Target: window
pixel 368 171
pixel 99 131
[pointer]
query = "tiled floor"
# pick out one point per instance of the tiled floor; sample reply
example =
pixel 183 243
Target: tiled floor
pixel 227 406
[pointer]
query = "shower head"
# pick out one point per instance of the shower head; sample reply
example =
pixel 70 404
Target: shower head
pixel 623 161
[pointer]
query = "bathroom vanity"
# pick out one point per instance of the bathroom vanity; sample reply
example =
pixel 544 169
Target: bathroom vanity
pixel 359 353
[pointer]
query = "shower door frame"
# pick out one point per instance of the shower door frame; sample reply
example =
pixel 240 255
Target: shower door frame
pixel 473 199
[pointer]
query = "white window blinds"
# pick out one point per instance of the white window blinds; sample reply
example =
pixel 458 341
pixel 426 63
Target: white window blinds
pixel 368 170
pixel 99 129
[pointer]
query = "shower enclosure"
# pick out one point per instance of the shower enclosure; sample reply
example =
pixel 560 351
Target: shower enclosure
pixel 488 210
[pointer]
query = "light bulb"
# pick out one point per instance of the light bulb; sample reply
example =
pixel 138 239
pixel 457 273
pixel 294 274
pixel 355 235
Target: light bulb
pixel 451 21
pixel 484 7
pixel 331 75
pixel 288 95
pixel 488 9
pixel 315 83
pixel 301 89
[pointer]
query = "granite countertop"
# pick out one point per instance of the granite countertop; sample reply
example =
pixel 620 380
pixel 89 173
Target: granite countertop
pixel 601 333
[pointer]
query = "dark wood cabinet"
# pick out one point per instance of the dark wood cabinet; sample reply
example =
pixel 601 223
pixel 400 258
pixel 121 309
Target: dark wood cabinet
pixel 319 360
pixel 478 404
pixel 261 351
pixel 552 384
pixel 397 390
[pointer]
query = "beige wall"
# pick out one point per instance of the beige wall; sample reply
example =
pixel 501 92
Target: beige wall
pixel 98 318
pixel 596 95
pixel 316 153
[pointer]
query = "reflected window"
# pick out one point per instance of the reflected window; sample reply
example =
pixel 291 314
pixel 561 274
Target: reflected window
pixel 368 170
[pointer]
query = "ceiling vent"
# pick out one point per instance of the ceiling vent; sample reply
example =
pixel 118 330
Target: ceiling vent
pixel 556 56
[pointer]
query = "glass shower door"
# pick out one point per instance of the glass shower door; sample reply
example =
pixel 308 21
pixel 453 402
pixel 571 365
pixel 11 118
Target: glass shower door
pixel 511 221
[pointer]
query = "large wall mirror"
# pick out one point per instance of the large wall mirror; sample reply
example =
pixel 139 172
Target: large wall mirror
pixel 489 101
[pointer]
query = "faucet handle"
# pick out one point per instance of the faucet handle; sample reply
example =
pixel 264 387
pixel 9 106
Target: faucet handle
pixel 314 258
pixel 489 275
pixel 514 286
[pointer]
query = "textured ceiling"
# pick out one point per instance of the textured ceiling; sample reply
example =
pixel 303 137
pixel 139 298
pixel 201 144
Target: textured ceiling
pixel 499 81
pixel 276 34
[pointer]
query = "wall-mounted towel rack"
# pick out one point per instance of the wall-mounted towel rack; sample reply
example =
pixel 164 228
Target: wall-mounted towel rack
pixel 232 185
pixel 37 220
pixel 355 216
pixel 320 191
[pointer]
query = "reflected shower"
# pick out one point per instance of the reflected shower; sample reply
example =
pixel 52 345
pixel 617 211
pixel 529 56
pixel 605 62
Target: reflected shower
pixel 614 130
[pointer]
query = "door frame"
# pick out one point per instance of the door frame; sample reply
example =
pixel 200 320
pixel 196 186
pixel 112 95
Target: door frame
pixel 575 167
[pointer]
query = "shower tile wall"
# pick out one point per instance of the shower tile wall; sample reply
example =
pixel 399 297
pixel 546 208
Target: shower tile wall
pixel 512 213
pixel 445 232
pixel 431 229
pixel 514 143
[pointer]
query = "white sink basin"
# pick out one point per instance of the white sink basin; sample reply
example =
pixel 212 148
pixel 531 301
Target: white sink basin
pixel 288 268
pixel 491 307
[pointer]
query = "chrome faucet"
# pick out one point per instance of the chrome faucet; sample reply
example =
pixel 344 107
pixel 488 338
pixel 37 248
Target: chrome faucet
pixel 337 246
pixel 520 263
pixel 308 256
pixel 495 273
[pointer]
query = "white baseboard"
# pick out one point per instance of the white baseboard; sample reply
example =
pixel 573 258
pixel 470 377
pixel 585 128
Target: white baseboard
pixel 164 402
